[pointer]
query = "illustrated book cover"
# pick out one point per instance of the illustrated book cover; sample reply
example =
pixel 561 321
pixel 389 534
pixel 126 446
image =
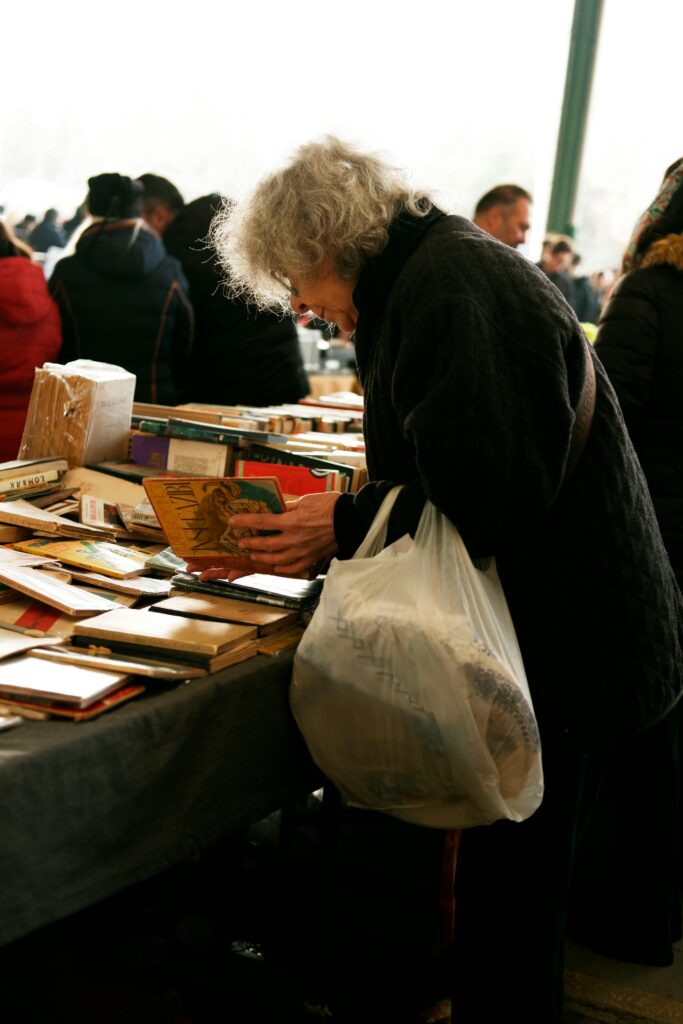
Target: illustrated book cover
pixel 97 556
pixel 194 513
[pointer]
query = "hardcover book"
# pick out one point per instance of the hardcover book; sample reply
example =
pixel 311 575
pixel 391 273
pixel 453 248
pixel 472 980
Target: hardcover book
pixel 44 708
pixel 226 609
pixel 65 684
pixel 194 513
pixel 174 637
pixel 180 455
pixel 294 480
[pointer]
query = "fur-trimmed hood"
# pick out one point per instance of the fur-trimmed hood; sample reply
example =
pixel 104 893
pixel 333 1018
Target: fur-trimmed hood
pixel 665 250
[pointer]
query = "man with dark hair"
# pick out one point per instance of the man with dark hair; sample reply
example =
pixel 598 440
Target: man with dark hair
pixel 504 212
pixel 48 233
pixel 23 229
pixel 240 355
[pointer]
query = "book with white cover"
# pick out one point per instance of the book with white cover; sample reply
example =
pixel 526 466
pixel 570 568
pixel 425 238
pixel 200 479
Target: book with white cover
pixel 52 681
pixel 46 587
pixel 23 513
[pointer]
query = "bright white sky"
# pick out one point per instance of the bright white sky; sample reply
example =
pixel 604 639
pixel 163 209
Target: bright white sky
pixel 212 96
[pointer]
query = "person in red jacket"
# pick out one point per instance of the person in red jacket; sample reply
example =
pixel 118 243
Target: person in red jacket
pixel 30 334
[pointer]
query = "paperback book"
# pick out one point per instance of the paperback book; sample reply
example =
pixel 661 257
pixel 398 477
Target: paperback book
pixel 194 513
pixel 277 591
pixel 96 556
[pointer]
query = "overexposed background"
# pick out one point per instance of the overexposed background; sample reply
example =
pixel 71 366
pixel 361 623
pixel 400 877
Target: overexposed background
pixel 463 95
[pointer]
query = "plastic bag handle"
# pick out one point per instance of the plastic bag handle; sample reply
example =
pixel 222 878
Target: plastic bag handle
pixel 374 539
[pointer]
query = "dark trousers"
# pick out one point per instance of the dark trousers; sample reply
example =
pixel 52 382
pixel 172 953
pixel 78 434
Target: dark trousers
pixel 512 890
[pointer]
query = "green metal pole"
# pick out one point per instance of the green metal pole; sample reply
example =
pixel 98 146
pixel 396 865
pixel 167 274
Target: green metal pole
pixel 577 89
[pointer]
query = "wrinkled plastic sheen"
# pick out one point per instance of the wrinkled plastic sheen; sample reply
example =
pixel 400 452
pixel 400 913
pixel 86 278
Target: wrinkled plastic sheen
pixel 409 686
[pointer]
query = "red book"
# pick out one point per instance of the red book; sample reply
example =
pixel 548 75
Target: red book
pixel 294 480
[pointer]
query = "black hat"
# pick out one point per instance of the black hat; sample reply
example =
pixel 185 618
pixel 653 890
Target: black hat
pixel 114 195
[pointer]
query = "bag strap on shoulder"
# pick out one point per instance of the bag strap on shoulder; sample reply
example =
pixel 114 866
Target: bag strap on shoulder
pixel 583 415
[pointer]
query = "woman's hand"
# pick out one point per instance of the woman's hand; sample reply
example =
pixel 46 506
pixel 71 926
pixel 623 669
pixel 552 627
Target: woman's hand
pixel 305 539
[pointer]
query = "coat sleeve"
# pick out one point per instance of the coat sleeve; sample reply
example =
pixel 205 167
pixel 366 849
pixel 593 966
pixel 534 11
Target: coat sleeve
pixel 57 287
pixel 182 339
pixel 627 341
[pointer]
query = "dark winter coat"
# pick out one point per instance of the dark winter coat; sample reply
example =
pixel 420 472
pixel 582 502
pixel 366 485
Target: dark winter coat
pixel 123 300
pixel 30 335
pixel 640 343
pixel 472 365
pixel 45 235
pixel 240 355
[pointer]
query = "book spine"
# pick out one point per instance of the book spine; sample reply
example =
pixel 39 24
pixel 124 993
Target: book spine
pixel 262 453
pixel 149 450
pixel 29 481
pixel 151 426
pixel 206 432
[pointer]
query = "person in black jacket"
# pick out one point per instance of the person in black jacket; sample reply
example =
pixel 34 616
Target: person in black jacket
pixel 122 298
pixel 640 344
pixel 47 234
pixel 472 365
pixel 242 355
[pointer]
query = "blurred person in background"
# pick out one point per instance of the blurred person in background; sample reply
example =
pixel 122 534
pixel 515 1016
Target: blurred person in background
pixel 48 234
pixel 640 344
pixel 23 229
pixel 241 355
pixel 122 298
pixel 505 213
pixel 556 258
pixel 30 334
pixel 586 304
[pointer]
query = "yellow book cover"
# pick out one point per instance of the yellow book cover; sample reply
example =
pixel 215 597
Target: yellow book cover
pixel 194 513
pixel 97 556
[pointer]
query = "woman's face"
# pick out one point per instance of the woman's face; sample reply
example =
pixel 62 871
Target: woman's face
pixel 327 295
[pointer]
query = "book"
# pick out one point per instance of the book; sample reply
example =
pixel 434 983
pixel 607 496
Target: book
pixel 226 609
pixel 198 413
pixel 44 586
pixel 277 591
pixel 137 586
pixel 294 480
pixel 287 457
pixel 105 486
pixel 284 640
pixel 97 556
pixel 11 534
pixel 36 708
pixel 53 682
pixel 173 637
pixel 107 515
pixel 103 660
pixel 213 432
pixel 30 482
pixel 23 513
pixel 12 643
pixel 194 514
pixel 180 455
pixel 165 562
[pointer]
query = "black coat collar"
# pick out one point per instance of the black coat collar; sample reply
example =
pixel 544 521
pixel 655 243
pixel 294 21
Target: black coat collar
pixel 379 273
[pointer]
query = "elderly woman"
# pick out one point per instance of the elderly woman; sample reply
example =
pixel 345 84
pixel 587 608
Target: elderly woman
pixel 473 367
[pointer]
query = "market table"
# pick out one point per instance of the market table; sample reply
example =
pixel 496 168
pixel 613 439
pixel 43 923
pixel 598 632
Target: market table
pixel 87 809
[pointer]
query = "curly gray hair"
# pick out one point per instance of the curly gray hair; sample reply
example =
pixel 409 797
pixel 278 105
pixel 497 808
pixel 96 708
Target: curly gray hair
pixel 332 204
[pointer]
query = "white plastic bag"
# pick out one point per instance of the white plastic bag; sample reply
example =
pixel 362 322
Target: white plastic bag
pixel 409 687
